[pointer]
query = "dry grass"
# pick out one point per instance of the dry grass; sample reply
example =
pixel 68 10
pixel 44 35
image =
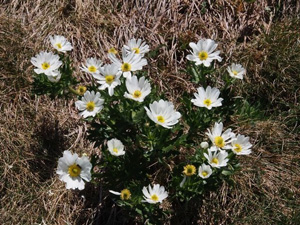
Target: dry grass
pixel 35 130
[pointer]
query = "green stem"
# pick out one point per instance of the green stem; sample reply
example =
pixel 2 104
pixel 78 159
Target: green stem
pixel 73 90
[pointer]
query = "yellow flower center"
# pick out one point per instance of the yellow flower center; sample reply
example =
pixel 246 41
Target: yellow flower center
pixel 113 51
pixel 126 67
pixel 136 50
pixel 207 102
pixel 81 90
pixel 92 69
pixel 90 106
pixel 137 94
pixel 215 161
pixel 161 119
pixel 115 150
pixel 189 170
pixel 74 170
pixel 204 173
pixel 234 72
pixel 125 194
pixel 238 148
pixel 219 142
pixel 109 79
pixel 58 45
pixel 203 55
pixel 45 65
pixel 154 197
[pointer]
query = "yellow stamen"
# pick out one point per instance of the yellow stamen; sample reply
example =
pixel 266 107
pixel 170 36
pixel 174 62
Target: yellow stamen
pixel 113 51
pixel 58 45
pixel 115 150
pixel 215 161
pixel 207 102
pixel 109 79
pixel 74 170
pixel 90 106
pixel 45 65
pixel 219 142
pixel 161 119
pixel 154 197
pixel 202 55
pixel 136 50
pixel 189 170
pixel 137 94
pixel 125 194
pixel 238 148
pixel 81 90
pixel 126 67
pixel 204 173
pixel 234 72
pixel 92 69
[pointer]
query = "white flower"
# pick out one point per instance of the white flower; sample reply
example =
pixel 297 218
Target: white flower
pixel 73 170
pixel 130 63
pixel 138 89
pixel 217 159
pixel 163 113
pixel 92 66
pixel 47 63
pixel 204 171
pixel 203 52
pixel 115 147
pixel 155 194
pixel 221 141
pixel 54 79
pixel 90 104
pixel 108 78
pixel 204 144
pixel 241 145
pixel 207 98
pixel 236 71
pixel 60 43
pixel 137 46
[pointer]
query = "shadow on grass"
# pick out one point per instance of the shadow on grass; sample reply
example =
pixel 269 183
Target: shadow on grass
pixel 51 144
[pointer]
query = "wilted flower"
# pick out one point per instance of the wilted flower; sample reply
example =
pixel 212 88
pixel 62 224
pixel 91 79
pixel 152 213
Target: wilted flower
pixel 137 46
pixel 109 78
pixel 125 194
pixel 221 141
pixel 47 63
pixel 155 194
pixel 60 43
pixel 189 170
pixel 115 147
pixel 73 170
pixel 204 171
pixel 236 71
pixel 130 63
pixel 241 145
pixel 92 66
pixel 81 90
pixel 113 51
pixel 207 98
pixel 90 104
pixel 138 89
pixel 163 113
pixel 203 52
pixel 217 159
pixel 204 144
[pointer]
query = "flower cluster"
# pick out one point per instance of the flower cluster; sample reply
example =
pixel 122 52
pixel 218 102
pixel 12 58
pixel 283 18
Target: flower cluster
pixel 140 133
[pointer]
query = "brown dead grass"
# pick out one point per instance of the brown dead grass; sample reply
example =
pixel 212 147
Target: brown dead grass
pixel 35 130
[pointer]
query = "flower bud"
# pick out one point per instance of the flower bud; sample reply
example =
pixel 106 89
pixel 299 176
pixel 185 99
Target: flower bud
pixel 204 144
